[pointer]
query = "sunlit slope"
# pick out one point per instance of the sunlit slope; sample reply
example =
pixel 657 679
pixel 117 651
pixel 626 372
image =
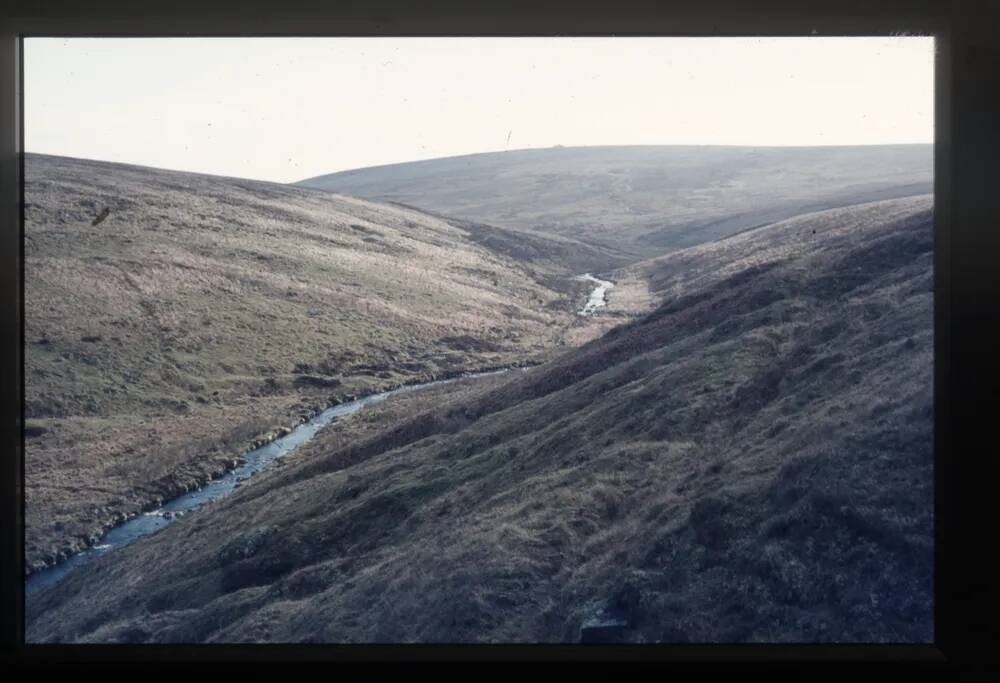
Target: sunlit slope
pixel 171 318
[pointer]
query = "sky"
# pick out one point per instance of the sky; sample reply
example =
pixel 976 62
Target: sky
pixel 285 109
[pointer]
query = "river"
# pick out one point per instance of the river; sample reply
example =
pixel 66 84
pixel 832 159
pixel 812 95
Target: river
pixel 598 297
pixel 253 462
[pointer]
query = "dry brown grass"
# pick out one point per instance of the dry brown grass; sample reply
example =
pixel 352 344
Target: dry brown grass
pixel 751 461
pixel 637 202
pixel 202 303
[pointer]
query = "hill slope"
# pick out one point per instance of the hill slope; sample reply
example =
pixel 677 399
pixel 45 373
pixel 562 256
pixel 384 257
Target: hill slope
pixel 644 200
pixel 751 461
pixel 174 318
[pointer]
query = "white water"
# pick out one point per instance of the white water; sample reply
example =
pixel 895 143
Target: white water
pixel 598 297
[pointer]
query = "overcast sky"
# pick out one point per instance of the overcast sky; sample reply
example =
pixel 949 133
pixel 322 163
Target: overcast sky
pixel 284 109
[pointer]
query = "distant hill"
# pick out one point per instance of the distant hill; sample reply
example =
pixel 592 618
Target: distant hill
pixel 644 200
pixel 171 319
pixel 751 461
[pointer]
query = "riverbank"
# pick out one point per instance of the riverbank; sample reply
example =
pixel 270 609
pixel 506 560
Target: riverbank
pixel 260 455
pixel 181 494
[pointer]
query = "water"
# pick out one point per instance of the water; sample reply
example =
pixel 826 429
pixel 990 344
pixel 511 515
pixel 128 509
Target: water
pixel 254 461
pixel 597 297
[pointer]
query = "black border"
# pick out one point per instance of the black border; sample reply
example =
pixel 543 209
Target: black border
pixel 967 303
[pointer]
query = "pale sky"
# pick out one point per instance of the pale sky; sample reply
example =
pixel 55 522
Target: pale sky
pixel 285 109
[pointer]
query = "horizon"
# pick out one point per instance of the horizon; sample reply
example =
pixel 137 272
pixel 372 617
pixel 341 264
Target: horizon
pixel 469 154
pixel 390 101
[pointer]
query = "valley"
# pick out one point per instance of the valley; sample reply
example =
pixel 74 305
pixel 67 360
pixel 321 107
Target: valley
pixel 417 338
pixel 639 202
pixel 747 461
pixel 203 316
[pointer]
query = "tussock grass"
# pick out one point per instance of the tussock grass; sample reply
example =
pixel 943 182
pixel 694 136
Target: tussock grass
pixel 769 483
pixel 628 203
pixel 201 302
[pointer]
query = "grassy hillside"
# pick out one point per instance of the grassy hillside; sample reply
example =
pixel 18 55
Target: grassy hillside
pixel 642 201
pixel 172 319
pixel 538 247
pixel 751 461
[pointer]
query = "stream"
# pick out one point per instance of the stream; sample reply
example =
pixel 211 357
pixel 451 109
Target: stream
pixel 598 297
pixel 252 462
